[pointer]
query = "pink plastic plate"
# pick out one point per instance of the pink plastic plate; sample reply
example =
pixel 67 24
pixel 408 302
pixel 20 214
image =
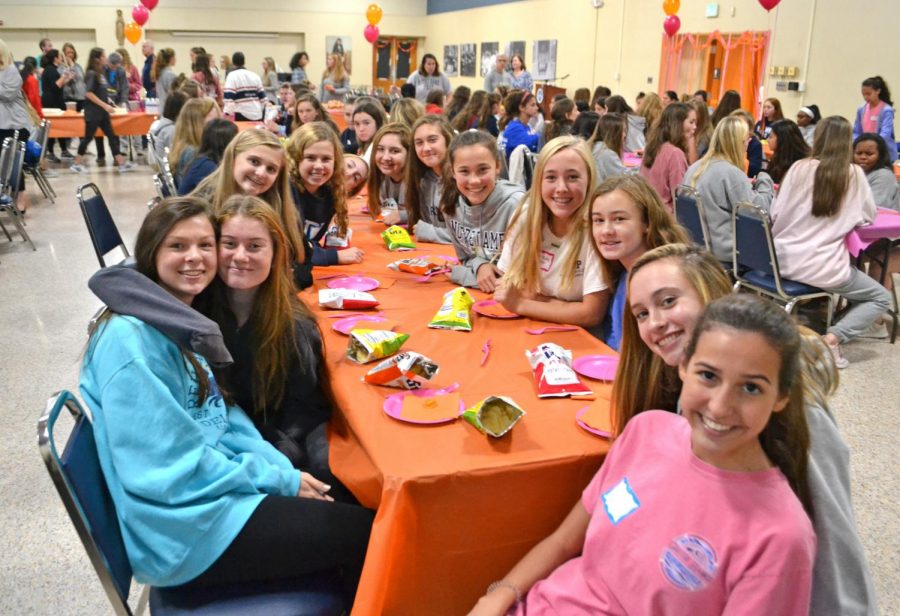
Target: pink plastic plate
pixel 356 283
pixel 586 427
pixel 393 406
pixel 345 326
pixel 601 367
pixel 494 309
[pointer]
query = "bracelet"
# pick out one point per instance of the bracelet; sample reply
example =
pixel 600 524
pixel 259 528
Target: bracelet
pixel 504 584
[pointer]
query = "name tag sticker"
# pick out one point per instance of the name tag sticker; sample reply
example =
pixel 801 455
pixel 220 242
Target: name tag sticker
pixel 546 260
pixel 620 501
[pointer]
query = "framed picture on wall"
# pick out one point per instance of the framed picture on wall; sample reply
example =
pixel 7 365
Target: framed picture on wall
pixel 451 61
pixel 341 46
pixel 467 59
pixel 489 53
pixel 543 60
pixel 514 48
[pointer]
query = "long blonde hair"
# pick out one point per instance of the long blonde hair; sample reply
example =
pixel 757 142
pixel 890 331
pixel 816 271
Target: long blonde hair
pixel 189 129
pixel 727 144
pixel 406 111
pixel 337 71
pixel 532 214
pixel 833 148
pixel 308 135
pixel 220 185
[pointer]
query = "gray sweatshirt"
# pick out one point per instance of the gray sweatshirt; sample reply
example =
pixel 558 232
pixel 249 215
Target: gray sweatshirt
pixel 393 195
pixel 884 188
pixel 477 231
pixel 842 584
pixel 13 114
pixel 720 187
pixel 607 162
pixel 634 138
pixel 430 227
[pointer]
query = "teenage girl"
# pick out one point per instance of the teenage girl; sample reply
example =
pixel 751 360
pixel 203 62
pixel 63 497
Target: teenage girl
pixel 704 130
pixel 754 146
pixel 668 289
pixel 406 111
pixel 651 109
pixel 308 109
pixel 217 134
pixel 876 115
pixel 666 155
pixel 821 200
pixel 386 188
pixel 477 206
pixel 317 184
pixel 551 271
pixel 771 113
pixel 478 113
pixel 787 145
pixel 431 138
pixel 199 493
pixel 188 133
pixel 720 179
pixel 742 541
pixel 871 153
pixel 562 114
pixel 728 104
pixel 607 144
pixel 368 117
pixel 458 101
pixel 520 108
pixel 627 220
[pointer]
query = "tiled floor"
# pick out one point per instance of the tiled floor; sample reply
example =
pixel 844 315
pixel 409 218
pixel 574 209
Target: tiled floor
pixel 44 309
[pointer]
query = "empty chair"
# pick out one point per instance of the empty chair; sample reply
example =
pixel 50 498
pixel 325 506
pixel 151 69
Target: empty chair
pixel 690 215
pixel 33 167
pixel 12 164
pixel 167 177
pixel 78 477
pixel 756 263
pixel 101 227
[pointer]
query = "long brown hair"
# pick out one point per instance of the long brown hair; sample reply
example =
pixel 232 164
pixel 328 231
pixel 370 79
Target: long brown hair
pixel 669 129
pixel 512 104
pixel 376 177
pixel 161 61
pixel 309 135
pixel 276 308
pixel 458 100
pixel 473 109
pixel 643 380
pixel 560 123
pixel 833 148
pixel 416 170
pixel 611 130
pixel 322 114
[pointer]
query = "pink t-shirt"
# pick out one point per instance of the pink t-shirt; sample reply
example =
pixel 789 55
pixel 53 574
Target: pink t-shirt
pixel 670 534
pixel 667 172
pixel 870 117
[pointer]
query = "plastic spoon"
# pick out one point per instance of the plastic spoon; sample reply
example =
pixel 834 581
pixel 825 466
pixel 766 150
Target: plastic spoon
pixel 428 276
pixel 551 328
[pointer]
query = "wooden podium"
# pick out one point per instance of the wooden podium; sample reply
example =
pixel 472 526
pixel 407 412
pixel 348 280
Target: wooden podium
pixel 543 94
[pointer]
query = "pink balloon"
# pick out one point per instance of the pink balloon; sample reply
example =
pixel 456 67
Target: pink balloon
pixel 140 14
pixel 371 33
pixel 150 4
pixel 769 4
pixel 672 24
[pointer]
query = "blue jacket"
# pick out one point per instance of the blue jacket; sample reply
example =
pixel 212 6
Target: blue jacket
pixel 146 80
pixel 516 134
pixel 885 128
pixel 185 477
pixel 611 327
pixel 199 169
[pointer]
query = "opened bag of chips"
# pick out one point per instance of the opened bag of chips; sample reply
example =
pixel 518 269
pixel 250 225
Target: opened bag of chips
pixel 495 415
pixel 553 374
pixel 346 299
pixel 370 344
pixel 407 370
pixel 397 238
pixel 455 311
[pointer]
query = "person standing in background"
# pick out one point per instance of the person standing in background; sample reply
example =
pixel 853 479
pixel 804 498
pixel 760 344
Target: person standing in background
pixel 244 94
pixel 163 74
pixel 45 45
pixel 298 70
pixel 876 115
pixel 499 76
pixel 132 75
pixel 428 78
pixel 521 79
pixel 335 81
pixel 147 79
pixel 270 80
pixel 53 84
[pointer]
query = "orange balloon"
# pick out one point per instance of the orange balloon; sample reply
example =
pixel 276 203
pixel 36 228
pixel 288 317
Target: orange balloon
pixel 671 6
pixel 374 14
pixel 133 33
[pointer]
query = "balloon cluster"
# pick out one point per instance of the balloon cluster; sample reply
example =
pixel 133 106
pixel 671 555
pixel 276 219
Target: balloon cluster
pixel 140 14
pixel 672 24
pixel 373 15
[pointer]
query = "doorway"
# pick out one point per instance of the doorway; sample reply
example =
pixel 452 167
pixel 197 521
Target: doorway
pixel 393 60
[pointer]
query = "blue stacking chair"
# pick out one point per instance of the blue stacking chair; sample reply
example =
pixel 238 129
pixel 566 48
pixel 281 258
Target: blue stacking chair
pixel 12 167
pixel 79 479
pixel 756 263
pixel 101 226
pixel 690 214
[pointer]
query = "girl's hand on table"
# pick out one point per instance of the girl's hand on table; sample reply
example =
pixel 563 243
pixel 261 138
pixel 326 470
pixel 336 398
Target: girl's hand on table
pixel 391 217
pixel 310 487
pixel 488 276
pixel 350 255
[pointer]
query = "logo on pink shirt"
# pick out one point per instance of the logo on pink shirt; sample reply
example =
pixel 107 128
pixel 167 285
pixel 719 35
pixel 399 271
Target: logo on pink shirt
pixel 689 563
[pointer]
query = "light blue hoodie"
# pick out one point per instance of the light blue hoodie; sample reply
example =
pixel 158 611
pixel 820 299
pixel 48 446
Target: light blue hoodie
pixel 184 477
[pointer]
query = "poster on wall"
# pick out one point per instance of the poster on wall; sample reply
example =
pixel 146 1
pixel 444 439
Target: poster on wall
pixel 489 53
pixel 543 60
pixel 340 46
pixel 451 60
pixel 515 48
pixel 467 58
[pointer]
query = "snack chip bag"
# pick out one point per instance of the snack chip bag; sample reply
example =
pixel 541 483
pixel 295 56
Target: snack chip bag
pixel 454 312
pixel 552 368
pixel 346 299
pixel 397 238
pixel 333 238
pixel 418 265
pixel 407 370
pixel 370 344
pixel 495 415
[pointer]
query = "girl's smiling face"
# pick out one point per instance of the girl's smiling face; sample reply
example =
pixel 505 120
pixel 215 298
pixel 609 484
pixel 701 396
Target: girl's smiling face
pixel 245 253
pixel 475 171
pixel 186 258
pixel 390 157
pixel 356 171
pixel 316 167
pixel 365 127
pixel 618 228
pixel 564 184
pixel 431 148
pixel 257 169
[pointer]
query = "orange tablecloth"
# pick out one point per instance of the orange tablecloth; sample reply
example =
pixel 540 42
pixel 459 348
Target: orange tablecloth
pixel 336 114
pixel 71 124
pixel 455 509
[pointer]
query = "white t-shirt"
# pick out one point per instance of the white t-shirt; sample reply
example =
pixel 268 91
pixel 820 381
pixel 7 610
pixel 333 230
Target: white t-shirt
pixel 588 275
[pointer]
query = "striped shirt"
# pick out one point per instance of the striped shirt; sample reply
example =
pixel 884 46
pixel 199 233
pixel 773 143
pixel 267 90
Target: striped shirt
pixel 244 94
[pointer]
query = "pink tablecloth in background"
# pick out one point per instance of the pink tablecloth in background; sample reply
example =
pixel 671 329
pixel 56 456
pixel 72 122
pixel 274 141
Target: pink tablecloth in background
pixel 885 226
pixel 631 160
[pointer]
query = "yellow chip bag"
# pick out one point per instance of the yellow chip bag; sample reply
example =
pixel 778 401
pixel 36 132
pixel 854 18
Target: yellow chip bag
pixel 397 238
pixel 454 312
pixel 495 415
pixel 370 344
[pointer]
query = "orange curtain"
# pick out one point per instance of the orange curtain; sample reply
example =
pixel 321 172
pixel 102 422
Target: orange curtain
pixel 686 60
